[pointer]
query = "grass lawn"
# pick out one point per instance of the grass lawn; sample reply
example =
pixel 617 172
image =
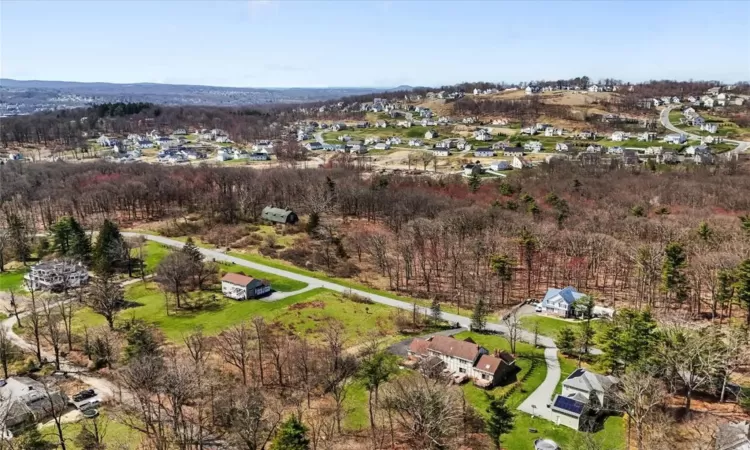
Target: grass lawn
pixel 116 435
pixel 361 321
pixel 12 279
pixel 155 252
pixel 612 436
pixel 551 326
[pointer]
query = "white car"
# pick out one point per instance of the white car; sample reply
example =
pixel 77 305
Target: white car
pixel 538 308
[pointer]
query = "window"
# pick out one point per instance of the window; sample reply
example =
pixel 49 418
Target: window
pixel 485 376
pixel 462 370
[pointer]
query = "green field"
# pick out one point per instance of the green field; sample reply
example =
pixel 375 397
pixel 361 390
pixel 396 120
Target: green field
pixel 361 321
pixel 551 326
pixel 12 279
pixel 116 434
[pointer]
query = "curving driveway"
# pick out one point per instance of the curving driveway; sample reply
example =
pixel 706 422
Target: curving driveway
pixel 742 146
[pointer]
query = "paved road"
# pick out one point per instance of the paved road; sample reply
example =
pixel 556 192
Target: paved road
pixel 536 403
pixel 742 146
pixel 314 282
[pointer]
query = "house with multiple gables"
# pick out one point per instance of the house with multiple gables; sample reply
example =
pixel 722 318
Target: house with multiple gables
pixel 465 360
pixel 242 287
pixel 484 152
pixel 558 301
pixel 584 400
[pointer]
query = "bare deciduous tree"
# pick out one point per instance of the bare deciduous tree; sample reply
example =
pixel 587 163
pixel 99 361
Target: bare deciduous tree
pixel 234 347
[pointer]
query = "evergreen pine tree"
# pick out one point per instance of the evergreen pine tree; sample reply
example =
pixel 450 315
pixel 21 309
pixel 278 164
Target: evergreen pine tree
pixel 436 312
pixel 742 286
pixel 479 315
pixel 292 435
pixel 673 277
pixel 192 250
pixel 566 340
pixel 499 420
pixel 474 182
pixel 705 232
pixel 109 247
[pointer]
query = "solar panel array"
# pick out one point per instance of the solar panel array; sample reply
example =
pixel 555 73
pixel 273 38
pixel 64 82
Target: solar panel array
pixel 568 404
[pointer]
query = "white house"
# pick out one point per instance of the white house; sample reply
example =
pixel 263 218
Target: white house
pixel 558 301
pixel 583 400
pixel 241 287
pixel 482 135
pixel 619 136
pixel 710 127
pixel 415 143
pixel 56 275
pixel 484 152
pixel 708 102
pixel 441 152
pixel 519 162
pixel 533 146
pixel 561 147
pixel 431 134
pixel 675 138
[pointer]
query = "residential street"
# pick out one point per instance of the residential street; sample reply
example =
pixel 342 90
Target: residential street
pixel 742 146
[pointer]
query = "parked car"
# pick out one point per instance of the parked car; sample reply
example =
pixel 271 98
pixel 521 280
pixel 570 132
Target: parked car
pixel 538 308
pixel 83 395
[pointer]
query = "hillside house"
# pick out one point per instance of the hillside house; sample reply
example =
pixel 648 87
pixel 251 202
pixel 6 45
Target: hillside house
pixel 695 149
pixel 533 146
pixel 653 150
pixel 441 152
pixel 314 146
pixel 472 169
pixel 499 121
pixel 404 123
pixel 561 147
pixel 587 135
pixel 484 152
pixel 27 401
pixel 529 130
pixel 279 215
pixel 381 124
pixel 468 120
pixel 709 102
pixel 619 136
pixel 551 131
pixel 56 275
pixel 630 157
pixel 513 151
pixel 425 113
pixel 363 124
pixel 558 301
pixel 675 138
pixel 241 287
pixel 465 360
pixel 482 135
pixel 428 122
pixel 594 88
pixel 357 148
pixel 499 165
pixel 431 134
pixel 259 156
pixel 338 126
pixel 415 143
pixel 739 101
pixel 382 146
pixel 583 400
pixel 647 136
pixel 704 157
pixel 519 162
pixel 667 157
pixel 710 127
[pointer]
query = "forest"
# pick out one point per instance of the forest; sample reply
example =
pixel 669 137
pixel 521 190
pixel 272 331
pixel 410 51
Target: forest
pixel 607 231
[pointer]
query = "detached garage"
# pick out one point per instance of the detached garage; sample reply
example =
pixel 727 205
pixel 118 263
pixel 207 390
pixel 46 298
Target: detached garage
pixel 279 215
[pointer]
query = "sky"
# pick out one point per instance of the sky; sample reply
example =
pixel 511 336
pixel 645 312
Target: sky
pixel 279 43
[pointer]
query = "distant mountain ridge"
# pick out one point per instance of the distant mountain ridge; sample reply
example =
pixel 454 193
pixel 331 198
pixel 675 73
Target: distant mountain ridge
pixel 28 96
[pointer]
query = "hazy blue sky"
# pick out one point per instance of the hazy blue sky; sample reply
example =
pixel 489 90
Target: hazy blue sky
pixel 371 43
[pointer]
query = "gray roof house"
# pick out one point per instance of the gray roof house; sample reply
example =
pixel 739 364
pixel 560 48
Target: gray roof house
pixel 733 436
pixel 558 301
pixel 25 400
pixel 279 215
pixel 584 396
